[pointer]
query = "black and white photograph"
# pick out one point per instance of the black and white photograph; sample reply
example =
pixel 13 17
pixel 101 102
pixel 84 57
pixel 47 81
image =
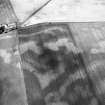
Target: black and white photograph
pixel 52 52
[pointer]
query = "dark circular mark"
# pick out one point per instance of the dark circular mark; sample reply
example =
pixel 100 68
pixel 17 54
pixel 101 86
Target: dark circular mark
pixel 49 59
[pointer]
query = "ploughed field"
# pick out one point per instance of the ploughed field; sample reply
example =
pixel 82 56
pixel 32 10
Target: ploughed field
pixel 62 64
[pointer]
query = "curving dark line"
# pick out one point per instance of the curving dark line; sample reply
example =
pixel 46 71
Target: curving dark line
pixel 82 61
